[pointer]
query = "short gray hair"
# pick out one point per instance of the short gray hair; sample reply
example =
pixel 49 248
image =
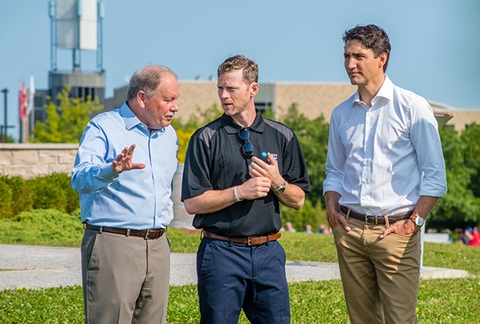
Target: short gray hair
pixel 147 79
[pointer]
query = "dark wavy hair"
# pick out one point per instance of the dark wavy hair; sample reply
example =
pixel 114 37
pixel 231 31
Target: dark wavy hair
pixel 372 37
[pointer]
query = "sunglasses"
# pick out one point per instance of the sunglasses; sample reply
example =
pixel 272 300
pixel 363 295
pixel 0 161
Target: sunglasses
pixel 247 146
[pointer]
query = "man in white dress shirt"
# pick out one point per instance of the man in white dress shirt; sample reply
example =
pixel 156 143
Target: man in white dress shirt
pixel 385 172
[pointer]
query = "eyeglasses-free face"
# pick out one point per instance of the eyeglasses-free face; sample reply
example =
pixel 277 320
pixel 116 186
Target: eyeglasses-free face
pixel 247 146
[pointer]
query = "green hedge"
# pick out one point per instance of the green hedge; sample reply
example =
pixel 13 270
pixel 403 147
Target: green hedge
pixel 52 191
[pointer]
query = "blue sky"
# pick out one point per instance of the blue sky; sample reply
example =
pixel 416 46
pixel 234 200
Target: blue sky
pixel 435 43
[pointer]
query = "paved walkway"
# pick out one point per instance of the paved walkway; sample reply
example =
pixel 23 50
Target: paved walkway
pixel 29 267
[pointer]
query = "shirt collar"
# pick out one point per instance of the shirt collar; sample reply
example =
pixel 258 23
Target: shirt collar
pixel 232 127
pixel 131 120
pixel 129 117
pixel 385 91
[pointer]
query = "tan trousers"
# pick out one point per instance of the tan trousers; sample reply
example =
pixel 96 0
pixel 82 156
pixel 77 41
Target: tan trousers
pixel 380 277
pixel 125 279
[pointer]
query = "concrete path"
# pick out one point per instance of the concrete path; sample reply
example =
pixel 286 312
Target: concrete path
pixel 25 266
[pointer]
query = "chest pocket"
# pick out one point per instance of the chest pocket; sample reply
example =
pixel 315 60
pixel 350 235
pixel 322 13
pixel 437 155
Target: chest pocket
pixel 230 166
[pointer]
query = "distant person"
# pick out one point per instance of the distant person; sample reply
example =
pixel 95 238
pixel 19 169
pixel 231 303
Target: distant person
pixel 238 169
pixel 289 227
pixel 123 171
pixel 475 241
pixel 385 172
pixel 308 229
pixel 323 229
pixel 466 235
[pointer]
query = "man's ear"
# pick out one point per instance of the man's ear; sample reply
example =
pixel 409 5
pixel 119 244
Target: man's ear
pixel 254 89
pixel 383 59
pixel 141 97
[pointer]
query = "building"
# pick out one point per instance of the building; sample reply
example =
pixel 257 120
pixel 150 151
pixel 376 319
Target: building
pixel 313 100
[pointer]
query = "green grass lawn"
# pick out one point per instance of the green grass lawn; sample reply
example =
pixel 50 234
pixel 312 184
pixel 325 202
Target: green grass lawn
pixel 440 300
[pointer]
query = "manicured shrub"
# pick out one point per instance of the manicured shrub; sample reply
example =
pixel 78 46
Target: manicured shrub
pixel 52 191
pixel 63 181
pixel 48 194
pixel 22 194
pixel 5 200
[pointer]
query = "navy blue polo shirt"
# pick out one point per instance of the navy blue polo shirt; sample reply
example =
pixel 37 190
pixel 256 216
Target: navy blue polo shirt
pixel 215 161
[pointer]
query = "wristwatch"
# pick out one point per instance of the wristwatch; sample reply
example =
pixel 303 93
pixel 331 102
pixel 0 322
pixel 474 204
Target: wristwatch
pixel 282 187
pixel 417 220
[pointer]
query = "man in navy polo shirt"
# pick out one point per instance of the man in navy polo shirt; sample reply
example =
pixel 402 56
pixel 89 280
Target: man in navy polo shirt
pixel 238 169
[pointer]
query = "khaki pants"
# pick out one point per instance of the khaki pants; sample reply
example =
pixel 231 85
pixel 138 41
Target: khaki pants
pixel 380 277
pixel 125 279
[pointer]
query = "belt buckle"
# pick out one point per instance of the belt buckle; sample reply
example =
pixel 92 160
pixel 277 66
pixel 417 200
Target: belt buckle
pixel 367 222
pixel 146 234
pixel 249 242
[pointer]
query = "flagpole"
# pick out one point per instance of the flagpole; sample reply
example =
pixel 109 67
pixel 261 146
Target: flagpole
pixel 4 130
pixel 31 109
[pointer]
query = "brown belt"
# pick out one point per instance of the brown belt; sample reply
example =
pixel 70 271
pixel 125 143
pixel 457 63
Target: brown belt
pixel 249 240
pixel 149 234
pixel 368 219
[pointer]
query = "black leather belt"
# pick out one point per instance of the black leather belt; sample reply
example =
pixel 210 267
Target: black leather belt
pixel 149 234
pixel 368 219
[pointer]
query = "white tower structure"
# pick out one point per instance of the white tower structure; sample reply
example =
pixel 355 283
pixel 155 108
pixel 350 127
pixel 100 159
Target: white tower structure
pixel 76 25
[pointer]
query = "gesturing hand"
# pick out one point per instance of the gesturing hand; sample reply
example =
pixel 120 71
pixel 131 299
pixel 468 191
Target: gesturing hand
pixel 124 162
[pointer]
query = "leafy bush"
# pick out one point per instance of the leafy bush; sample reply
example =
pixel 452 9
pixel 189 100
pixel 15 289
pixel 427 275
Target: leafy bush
pixel 48 194
pixel 54 191
pixel 5 200
pixel 22 194
pixel 43 192
pixel 63 181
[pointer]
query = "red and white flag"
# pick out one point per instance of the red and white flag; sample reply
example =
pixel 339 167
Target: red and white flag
pixel 22 100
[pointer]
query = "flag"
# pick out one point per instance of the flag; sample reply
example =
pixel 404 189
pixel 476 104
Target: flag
pixel 22 100
pixel 31 96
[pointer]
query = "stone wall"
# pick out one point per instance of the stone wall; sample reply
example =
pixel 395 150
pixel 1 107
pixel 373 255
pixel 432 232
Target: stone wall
pixel 31 160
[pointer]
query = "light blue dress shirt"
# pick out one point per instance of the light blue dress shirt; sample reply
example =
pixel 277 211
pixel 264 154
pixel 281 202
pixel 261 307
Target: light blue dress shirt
pixel 135 199
pixel 382 158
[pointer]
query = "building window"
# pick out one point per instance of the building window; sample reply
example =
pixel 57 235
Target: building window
pixel 263 106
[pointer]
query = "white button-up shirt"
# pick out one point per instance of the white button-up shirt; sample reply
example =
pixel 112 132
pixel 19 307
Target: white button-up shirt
pixel 382 158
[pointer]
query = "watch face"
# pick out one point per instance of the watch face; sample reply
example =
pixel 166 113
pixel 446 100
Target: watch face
pixel 419 221
pixel 280 190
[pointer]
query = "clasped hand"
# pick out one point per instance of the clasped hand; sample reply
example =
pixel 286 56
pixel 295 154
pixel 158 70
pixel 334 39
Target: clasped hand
pixel 264 176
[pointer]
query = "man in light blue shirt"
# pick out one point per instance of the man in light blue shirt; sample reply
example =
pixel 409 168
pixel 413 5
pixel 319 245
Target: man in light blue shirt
pixel 385 172
pixel 123 171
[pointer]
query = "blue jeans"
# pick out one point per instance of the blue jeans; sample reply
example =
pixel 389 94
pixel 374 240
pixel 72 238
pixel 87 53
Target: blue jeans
pixel 233 276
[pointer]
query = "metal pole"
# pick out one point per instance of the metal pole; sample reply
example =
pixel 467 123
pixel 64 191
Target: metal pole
pixel 5 123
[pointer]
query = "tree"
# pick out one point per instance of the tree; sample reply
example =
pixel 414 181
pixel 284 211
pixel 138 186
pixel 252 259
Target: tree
pixel 185 130
pixel 10 139
pixel 65 123
pixel 313 137
pixel 459 206
pixel 470 137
